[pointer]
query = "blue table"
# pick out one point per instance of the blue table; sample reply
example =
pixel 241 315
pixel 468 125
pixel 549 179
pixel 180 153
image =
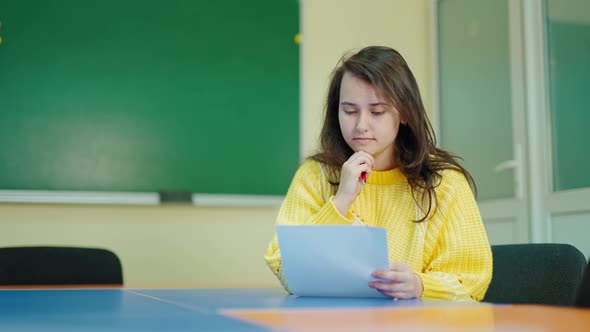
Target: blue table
pixel 148 309
pixel 262 309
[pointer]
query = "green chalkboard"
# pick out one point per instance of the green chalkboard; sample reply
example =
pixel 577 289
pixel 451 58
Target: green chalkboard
pixel 144 96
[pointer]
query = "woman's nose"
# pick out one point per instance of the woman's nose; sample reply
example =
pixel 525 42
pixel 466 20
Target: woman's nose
pixel 362 122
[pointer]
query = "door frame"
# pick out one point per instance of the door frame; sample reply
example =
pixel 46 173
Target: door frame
pixel 516 208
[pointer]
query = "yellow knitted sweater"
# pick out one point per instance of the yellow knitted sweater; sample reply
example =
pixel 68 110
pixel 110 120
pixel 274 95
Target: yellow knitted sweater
pixel 449 251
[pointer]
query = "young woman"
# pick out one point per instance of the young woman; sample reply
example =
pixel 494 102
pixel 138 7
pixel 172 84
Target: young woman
pixel 376 128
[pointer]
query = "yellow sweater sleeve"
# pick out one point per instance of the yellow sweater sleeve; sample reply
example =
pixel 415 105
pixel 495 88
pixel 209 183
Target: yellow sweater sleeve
pixel 460 258
pixel 308 201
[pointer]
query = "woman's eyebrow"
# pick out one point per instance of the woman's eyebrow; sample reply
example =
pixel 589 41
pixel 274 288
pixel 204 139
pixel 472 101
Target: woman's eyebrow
pixel 347 103
pixel 371 104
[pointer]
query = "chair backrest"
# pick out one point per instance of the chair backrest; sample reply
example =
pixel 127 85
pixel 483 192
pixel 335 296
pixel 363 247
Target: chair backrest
pixel 583 297
pixel 536 274
pixel 59 266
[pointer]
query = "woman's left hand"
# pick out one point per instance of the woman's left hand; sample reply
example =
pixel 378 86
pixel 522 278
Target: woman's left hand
pixel 398 282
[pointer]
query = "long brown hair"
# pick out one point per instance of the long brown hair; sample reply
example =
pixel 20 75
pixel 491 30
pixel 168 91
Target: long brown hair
pixel 415 149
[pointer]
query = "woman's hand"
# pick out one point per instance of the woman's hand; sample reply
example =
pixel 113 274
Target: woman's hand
pixel 350 179
pixel 398 282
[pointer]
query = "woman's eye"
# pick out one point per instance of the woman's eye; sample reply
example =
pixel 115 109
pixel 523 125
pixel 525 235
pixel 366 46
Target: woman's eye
pixel 349 111
pixel 377 113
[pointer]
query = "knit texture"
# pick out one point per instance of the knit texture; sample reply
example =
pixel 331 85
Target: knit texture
pixel 449 251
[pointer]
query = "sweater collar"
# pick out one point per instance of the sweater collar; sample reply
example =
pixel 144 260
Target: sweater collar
pixel 391 176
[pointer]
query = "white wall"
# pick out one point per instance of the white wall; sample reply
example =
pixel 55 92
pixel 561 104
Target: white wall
pixel 333 27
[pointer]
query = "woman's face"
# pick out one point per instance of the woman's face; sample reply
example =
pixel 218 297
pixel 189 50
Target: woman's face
pixel 367 122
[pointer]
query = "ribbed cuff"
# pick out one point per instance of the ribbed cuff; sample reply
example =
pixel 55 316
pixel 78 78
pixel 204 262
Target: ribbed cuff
pixel 283 281
pixel 434 288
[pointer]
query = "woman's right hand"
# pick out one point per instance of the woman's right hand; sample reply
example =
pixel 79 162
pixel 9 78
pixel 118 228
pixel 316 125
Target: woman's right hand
pixel 350 179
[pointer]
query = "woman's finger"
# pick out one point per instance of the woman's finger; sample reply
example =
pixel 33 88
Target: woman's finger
pixel 390 275
pixel 362 157
pixel 391 286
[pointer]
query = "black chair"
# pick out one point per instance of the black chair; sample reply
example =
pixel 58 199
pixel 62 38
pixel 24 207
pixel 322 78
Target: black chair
pixel 536 274
pixel 583 297
pixel 20 266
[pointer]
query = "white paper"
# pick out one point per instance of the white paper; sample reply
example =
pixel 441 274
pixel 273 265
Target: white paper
pixel 332 260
